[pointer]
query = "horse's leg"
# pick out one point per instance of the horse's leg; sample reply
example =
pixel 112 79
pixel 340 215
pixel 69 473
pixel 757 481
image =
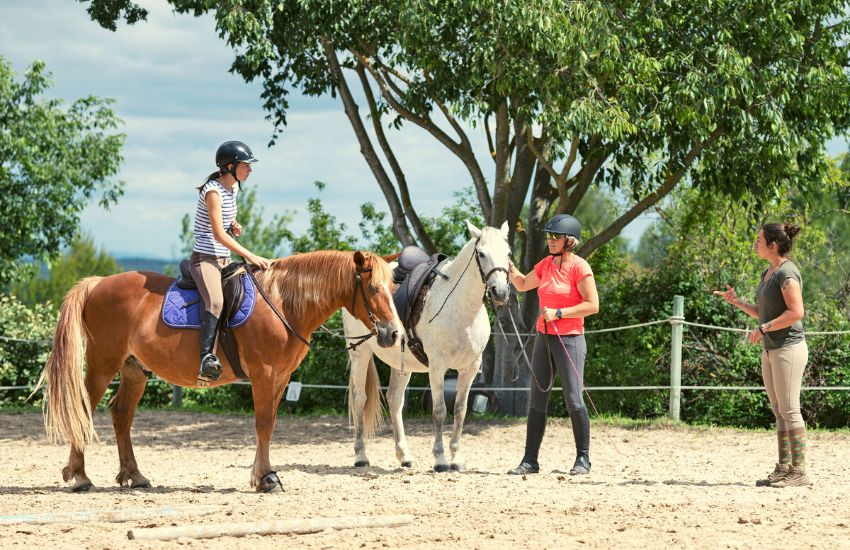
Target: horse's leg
pixel 464 382
pixel 127 398
pixel 395 400
pixel 357 401
pixel 99 374
pixel 436 379
pixel 266 400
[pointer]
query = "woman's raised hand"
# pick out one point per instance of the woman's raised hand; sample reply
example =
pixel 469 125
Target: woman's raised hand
pixel 729 294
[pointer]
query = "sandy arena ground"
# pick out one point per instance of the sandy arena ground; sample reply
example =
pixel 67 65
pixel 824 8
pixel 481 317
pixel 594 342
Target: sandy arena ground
pixel 659 488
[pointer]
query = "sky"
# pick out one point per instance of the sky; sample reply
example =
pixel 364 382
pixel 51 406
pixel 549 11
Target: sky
pixel 170 82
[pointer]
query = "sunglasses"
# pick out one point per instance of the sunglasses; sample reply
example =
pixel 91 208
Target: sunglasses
pixel 553 236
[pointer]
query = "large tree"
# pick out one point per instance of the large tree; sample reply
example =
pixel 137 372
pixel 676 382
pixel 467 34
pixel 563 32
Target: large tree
pixel 53 159
pixel 638 97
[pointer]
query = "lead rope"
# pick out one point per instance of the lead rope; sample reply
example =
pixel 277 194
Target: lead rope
pixel 581 381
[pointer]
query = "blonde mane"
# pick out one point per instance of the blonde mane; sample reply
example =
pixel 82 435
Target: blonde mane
pixel 315 279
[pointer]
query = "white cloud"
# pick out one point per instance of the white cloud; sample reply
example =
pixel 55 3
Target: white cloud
pixel 170 81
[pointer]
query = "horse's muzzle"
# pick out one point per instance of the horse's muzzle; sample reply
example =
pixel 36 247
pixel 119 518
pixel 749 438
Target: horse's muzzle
pixel 387 334
pixel 500 294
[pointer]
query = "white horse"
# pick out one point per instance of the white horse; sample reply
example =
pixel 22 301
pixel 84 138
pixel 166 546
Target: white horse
pixel 454 330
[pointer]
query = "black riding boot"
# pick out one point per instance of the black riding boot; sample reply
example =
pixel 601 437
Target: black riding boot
pixel 581 433
pixel 533 438
pixel 210 365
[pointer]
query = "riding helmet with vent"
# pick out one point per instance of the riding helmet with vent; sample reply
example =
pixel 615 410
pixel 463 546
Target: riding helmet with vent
pixel 564 224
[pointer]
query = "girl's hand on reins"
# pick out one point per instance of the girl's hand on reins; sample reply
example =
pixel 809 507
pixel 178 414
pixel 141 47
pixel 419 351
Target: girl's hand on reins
pixel 259 261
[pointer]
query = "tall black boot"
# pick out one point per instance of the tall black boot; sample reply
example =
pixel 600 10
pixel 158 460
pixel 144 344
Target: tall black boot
pixel 533 438
pixel 210 365
pixel 581 434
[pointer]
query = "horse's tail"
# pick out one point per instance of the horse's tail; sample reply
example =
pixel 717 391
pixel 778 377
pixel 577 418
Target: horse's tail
pixel 373 411
pixel 67 410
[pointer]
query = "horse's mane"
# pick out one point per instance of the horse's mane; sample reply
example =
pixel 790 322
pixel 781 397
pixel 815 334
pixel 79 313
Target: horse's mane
pixel 315 278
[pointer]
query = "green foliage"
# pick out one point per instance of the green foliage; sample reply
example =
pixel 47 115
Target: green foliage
pixel 26 333
pixel 81 259
pixel 53 160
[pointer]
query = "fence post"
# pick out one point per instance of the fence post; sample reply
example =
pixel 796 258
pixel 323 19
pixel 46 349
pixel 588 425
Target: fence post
pixel 676 355
pixel 176 396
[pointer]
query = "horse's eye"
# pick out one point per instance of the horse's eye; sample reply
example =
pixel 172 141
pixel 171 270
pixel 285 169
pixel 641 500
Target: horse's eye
pixel 480 254
pixel 373 289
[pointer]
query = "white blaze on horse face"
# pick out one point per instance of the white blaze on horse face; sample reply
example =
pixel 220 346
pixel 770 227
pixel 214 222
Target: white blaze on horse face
pixel 389 294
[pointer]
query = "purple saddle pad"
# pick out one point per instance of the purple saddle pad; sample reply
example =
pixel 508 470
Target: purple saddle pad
pixel 182 308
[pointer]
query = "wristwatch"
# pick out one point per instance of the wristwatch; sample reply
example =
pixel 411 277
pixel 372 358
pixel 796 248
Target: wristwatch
pixel 761 329
pixel 558 313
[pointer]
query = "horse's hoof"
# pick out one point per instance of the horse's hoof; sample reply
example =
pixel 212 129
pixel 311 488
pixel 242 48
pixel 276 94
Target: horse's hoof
pixel 141 484
pixel 407 464
pixel 458 467
pixel 361 464
pixel 441 468
pixel 269 483
pixel 82 487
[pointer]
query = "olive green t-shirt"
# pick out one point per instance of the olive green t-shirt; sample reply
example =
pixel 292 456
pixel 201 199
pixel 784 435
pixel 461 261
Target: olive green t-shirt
pixel 771 304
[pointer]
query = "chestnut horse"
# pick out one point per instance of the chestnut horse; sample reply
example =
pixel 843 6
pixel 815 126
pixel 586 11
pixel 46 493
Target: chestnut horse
pixel 114 323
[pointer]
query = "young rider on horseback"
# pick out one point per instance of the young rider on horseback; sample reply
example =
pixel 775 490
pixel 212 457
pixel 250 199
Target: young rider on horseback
pixel 215 217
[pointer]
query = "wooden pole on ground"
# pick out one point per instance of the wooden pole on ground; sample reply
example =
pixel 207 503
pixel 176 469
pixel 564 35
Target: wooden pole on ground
pixel 289 526
pixel 128 514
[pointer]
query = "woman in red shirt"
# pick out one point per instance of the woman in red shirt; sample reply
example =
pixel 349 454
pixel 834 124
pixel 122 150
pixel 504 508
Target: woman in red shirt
pixel 567 294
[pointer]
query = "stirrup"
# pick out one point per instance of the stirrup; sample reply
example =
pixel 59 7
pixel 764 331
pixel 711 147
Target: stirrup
pixel 210 370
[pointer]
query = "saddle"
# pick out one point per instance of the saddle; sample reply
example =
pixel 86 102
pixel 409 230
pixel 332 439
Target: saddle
pixel 412 278
pixel 234 295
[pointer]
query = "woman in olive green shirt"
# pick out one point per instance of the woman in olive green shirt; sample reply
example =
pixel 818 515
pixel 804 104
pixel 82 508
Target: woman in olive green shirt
pixel 779 310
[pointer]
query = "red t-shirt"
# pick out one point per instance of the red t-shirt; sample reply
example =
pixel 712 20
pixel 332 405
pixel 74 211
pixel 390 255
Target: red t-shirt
pixel 559 289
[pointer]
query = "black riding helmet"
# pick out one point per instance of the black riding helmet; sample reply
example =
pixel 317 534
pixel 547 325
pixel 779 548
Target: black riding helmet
pixel 229 154
pixel 564 224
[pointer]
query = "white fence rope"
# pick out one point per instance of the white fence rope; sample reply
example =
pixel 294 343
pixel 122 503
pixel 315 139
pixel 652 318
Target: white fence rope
pixel 673 320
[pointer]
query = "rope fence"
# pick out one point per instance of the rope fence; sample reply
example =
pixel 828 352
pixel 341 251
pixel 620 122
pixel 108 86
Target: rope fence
pixel 676 321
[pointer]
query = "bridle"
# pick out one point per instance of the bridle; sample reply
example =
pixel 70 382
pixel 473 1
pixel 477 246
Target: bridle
pixel 484 278
pixel 358 284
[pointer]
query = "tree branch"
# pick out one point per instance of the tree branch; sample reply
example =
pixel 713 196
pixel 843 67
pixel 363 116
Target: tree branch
pixel 669 184
pixel 401 180
pixel 400 229
pixel 462 151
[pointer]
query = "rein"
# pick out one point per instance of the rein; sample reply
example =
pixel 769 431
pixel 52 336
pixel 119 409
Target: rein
pixel 484 278
pixel 358 283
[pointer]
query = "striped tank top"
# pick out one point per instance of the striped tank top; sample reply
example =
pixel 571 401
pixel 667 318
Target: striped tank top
pixel 205 242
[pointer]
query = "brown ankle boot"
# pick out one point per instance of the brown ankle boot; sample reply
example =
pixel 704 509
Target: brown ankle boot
pixel 778 474
pixel 796 478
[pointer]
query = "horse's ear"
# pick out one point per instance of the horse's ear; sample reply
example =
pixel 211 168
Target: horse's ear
pixel 474 231
pixel 359 259
pixel 504 229
pixel 391 257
